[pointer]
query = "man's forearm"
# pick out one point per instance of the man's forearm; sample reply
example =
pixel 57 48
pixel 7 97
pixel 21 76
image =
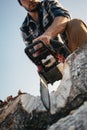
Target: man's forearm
pixel 57 27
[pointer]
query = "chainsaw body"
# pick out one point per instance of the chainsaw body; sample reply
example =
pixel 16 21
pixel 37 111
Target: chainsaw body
pixel 47 60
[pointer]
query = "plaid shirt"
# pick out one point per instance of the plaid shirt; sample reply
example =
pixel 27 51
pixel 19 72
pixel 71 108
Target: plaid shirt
pixel 48 10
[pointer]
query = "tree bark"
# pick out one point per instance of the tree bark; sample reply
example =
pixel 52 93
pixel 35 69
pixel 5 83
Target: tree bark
pixel 26 112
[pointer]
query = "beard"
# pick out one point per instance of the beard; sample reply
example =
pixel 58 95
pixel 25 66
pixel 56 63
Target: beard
pixel 33 10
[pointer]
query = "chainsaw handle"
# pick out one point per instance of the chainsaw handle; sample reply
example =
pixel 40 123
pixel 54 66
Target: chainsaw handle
pixel 52 47
pixel 49 47
pixel 53 44
pixel 57 47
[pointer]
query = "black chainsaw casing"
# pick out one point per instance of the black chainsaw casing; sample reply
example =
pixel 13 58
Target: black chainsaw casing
pixel 46 57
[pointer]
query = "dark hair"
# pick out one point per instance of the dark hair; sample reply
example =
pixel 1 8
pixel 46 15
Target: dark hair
pixel 19 2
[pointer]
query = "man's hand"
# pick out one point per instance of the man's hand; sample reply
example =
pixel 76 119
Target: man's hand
pixel 44 38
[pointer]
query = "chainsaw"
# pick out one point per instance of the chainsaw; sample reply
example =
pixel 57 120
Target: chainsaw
pixel 47 59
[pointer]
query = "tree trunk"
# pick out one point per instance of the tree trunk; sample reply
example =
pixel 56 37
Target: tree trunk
pixel 26 112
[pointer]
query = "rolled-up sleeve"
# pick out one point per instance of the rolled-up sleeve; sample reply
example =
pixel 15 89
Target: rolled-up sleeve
pixel 55 9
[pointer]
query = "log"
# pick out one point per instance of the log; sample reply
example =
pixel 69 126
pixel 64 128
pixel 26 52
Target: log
pixel 26 112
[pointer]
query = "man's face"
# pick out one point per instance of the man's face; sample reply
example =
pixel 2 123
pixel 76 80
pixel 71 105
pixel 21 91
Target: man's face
pixel 30 5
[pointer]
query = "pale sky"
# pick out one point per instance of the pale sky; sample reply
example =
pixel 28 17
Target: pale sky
pixel 16 70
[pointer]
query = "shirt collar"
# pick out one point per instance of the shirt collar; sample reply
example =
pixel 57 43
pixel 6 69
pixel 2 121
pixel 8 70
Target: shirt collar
pixel 29 18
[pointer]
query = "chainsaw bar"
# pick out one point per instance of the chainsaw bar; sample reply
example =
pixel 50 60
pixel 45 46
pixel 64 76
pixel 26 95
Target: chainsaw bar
pixel 44 91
